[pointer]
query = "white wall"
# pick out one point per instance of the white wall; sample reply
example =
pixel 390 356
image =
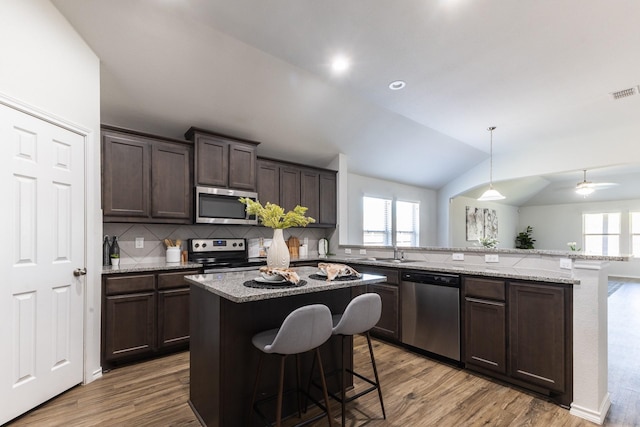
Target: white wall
pixel 551 155
pixel 555 225
pixel 359 186
pixel 507 222
pixel 45 65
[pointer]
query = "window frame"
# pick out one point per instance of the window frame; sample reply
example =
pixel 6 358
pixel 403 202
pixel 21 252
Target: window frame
pixel 604 234
pixel 390 236
pixel 635 251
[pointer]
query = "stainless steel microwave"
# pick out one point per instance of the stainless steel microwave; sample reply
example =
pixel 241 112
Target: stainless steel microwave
pixel 221 206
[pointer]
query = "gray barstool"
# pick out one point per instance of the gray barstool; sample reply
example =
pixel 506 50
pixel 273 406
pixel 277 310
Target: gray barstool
pixel 362 314
pixel 304 329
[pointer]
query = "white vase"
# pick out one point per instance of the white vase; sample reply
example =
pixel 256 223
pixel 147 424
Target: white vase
pixel 278 253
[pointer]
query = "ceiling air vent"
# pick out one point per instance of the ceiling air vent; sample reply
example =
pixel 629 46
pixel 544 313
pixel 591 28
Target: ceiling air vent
pixel 624 93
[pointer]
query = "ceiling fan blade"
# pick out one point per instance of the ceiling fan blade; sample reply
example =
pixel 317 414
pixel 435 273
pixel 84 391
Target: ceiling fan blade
pixel 603 185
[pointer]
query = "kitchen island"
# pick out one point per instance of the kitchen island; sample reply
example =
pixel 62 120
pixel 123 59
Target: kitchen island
pixel 224 316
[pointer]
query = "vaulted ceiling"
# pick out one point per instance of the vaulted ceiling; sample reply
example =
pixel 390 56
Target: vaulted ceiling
pixel 539 70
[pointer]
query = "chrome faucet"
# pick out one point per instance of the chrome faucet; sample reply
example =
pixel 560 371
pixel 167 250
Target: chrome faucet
pixel 397 254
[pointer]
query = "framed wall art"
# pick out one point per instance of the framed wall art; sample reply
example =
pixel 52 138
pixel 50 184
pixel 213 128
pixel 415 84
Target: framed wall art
pixel 481 223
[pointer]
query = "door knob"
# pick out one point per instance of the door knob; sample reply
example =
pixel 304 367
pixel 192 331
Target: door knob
pixel 79 272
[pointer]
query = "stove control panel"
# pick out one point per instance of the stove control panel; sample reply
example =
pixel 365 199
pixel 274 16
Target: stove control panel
pixel 217 245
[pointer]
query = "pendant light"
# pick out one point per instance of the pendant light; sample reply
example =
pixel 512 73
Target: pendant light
pixel 491 194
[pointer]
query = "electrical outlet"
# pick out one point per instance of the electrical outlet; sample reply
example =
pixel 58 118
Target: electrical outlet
pixel 363 251
pixel 139 242
pixel 491 258
pixel 566 263
pixel 457 256
pixel 347 251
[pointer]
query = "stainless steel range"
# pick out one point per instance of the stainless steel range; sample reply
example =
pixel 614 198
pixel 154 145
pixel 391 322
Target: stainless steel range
pixel 218 254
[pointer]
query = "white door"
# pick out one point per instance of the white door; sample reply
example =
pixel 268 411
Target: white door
pixel 41 301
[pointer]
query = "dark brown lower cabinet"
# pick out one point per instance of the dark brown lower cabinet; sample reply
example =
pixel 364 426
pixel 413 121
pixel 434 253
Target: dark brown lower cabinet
pixel 538 334
pixel 485 323
pixel 173 317
pixel 485 334
pixel 131 327
pixel 521 332
pixel 388 327
pixel 144 315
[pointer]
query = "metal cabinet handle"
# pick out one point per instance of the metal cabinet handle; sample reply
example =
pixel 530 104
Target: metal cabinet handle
pixel 79 272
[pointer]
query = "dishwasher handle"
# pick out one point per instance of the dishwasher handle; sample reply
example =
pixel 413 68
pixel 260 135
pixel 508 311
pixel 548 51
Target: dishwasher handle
pixel 441 279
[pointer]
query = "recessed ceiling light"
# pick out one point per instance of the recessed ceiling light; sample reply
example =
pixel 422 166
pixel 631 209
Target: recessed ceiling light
pixel 340 64
pixel 397 85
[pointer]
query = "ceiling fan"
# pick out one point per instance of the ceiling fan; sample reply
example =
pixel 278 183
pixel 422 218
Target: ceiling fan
pixel 584 188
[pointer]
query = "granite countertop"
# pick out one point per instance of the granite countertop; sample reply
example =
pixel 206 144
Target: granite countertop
pixel 149 266
pixel 479 249
pixel 537 275
pixel 231 285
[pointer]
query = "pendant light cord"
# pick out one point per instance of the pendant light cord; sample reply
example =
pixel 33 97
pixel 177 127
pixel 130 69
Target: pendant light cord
pixel 491 129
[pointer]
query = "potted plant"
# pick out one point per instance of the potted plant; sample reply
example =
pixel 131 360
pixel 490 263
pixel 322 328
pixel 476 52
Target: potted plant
pixel 488 242
pixel 524 239
pixel 273 216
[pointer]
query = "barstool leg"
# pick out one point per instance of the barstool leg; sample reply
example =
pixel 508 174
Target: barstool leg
pixel 306 401
pixel 280 392
pixel 375 373
pixel 255 387
pixel 298 400
pixel 343 375
pixel 327 404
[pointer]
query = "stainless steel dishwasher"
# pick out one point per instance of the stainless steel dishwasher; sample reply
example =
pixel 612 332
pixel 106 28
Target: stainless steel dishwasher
pixel 431 312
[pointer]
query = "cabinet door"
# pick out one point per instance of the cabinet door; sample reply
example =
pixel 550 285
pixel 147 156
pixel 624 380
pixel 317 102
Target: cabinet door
pixel 242 166
pixel 171 187
pixel 125 176
pixel 289 187
pixel 310 192
pixel 485 334
pixel 388 324
pixel 129 325
pixel 268 182
pixel 212 161
pixel 328 199
pixel 173 317
pixel 537 334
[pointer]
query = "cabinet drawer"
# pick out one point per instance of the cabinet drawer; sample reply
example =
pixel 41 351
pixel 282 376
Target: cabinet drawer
pixel 174 280
pixel 484 288
pixel 129 284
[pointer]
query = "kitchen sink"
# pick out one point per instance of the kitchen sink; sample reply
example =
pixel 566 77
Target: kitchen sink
pixel 390 260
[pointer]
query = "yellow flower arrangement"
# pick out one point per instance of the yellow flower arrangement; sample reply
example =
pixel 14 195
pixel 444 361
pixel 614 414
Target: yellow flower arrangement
pixel 273 216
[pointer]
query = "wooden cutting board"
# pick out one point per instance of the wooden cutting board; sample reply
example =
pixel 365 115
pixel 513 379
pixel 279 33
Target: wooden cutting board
pixel 294 246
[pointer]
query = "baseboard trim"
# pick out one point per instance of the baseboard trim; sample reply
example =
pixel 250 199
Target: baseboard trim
pixel 597 417
pixel 95 375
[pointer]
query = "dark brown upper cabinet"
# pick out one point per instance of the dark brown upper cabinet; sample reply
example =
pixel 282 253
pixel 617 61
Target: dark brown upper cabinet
pixel 328 198
pixel 222 161
pixel 268 182
pixel 290 184
pixel 289 187
pixel 145 178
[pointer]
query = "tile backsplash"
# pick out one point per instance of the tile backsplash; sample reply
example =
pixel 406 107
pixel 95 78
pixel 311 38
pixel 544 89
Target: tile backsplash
pixel 154 250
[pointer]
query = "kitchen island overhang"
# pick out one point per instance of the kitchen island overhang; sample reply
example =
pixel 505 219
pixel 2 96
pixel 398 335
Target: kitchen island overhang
pixel 224 316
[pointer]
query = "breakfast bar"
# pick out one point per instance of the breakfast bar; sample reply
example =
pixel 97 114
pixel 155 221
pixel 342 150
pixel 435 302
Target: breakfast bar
pixel 225 314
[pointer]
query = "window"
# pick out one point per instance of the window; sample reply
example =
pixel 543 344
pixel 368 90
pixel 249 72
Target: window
pixel 635 234
pixel 602 233
pixel 407 223
pixel 376 221
pixel 379 228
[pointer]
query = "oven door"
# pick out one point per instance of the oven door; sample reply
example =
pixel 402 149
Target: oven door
pixel 221 206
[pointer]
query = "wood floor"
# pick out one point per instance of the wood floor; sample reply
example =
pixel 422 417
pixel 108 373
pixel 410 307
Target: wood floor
pixel 417 390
